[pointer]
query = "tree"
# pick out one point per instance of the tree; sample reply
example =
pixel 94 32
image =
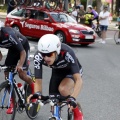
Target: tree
pixel 98 7
pixel 117 8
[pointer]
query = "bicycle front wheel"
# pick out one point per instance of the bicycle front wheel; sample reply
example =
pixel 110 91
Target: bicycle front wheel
pixel 32 112
pixel 4 98
pixel 117 37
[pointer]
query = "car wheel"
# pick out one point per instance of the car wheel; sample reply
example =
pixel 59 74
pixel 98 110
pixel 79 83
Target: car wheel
pixel 61 36
pixel 16 28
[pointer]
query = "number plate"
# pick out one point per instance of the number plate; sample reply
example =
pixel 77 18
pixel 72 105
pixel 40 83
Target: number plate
pixel 88 37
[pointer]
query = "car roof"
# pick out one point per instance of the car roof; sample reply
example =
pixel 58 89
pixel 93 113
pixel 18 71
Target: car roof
pixel 43 9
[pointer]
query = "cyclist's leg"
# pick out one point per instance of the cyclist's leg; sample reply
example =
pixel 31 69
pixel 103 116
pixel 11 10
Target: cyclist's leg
pixel 66 87
pixel 62 83
pixel 23 74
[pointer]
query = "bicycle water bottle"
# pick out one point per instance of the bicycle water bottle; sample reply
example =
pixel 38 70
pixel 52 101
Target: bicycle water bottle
pixel 20 86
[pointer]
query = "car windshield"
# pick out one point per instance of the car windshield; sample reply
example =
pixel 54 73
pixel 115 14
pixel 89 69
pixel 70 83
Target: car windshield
pixel 62 17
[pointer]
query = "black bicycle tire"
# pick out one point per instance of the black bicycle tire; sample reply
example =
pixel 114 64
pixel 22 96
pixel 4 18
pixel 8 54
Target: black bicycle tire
pixel 4 85
pixel 98 31
pixel 11 4
pixel 32 113
pixel 116 37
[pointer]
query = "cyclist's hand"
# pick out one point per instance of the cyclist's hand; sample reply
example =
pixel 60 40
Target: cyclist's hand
pixel 36 95
pixel 19 68
pixel 72 102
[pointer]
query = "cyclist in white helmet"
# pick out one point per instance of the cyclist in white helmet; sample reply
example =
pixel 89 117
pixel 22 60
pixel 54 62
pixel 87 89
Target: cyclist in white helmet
pixel 66 70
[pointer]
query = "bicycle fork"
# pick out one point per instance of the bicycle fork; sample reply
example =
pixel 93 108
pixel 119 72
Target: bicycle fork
pixel 56 112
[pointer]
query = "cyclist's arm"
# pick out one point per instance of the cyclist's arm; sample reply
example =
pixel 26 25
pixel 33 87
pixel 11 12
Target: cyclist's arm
pixel 38 60
pixel 17 45
pixel 22 58
pixel 78 85
pixel 38 85
pixel 75 69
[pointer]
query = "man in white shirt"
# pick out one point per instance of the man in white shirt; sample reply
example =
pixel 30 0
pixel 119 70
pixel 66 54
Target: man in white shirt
pixel 75 14
pixel 104 22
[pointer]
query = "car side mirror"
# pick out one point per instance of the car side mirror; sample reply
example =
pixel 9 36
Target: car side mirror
pixel 47 19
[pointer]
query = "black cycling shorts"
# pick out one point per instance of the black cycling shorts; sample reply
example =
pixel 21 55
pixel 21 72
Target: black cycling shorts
pixel 14 56
pixel 57 76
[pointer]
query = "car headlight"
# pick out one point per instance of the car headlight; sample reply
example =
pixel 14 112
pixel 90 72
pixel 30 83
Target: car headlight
pixel 74 31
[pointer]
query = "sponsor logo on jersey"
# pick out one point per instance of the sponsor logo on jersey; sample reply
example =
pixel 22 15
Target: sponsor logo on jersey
pixel 69 58
pixel 37 60
pixel 12 40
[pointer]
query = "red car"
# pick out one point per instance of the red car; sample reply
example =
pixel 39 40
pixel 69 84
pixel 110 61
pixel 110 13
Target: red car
pixel 43 22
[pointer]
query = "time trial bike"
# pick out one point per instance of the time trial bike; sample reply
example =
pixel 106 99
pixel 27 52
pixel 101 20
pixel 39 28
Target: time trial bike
pixel 10 89
pixel 57 102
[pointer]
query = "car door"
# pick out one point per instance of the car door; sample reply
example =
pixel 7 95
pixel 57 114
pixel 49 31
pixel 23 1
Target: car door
pixel 30 25
pixel 46 27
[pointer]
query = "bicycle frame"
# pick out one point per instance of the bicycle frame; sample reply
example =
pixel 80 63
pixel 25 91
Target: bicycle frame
pixel 13 85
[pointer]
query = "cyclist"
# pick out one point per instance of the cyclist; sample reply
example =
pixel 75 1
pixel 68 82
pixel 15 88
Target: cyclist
pixel 94 15
pixel 89 16
pixel 118 20
pixel 18 50
pixel 66 70
pixel 94 12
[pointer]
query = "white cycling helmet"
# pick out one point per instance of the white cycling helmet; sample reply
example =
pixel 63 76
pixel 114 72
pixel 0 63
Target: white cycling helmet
pixel 49 43
pixel 1 24
pixel 90 6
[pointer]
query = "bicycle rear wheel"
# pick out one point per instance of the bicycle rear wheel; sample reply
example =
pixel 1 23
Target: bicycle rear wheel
pixel 98 31
pixel 116 37
pixel 32 112
pixel 4 87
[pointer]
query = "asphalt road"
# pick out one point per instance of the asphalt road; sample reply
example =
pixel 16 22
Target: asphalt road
pixel 100 95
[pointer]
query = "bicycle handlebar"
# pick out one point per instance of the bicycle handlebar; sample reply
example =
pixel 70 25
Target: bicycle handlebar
pixel 52 99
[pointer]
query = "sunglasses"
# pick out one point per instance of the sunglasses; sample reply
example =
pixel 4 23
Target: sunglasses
pixel 47 54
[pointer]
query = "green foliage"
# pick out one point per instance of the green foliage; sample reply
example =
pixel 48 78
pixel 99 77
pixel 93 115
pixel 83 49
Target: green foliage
pixel 3 8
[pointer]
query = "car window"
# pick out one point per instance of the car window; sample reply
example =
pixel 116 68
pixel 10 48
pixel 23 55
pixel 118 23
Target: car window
pixel 56 17
pixel 41 15
pixel 61 17
pixel 18 12
pixel 33 13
